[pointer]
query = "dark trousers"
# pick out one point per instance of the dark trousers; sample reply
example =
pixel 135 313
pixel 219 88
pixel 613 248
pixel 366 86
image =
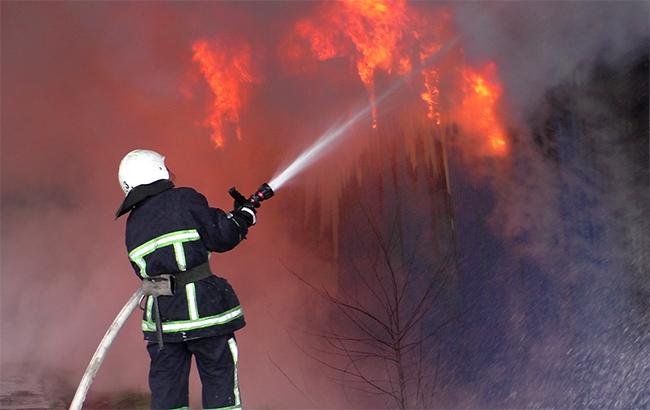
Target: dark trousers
pixel 216 359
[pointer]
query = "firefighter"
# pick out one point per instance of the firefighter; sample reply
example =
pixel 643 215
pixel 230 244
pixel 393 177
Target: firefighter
pixel 170 233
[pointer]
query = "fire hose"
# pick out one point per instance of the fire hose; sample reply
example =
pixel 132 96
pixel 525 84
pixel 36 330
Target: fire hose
pixel 102 349
pixel 263 193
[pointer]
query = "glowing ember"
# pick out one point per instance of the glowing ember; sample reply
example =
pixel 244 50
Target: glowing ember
pixel 478 111
pixel 227 71
pixel 367 29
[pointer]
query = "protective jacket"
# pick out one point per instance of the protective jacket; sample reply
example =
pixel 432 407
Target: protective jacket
pixel 170 230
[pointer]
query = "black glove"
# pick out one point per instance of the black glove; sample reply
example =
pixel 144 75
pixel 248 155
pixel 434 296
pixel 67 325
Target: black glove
pixel 240 200
pixel 245 213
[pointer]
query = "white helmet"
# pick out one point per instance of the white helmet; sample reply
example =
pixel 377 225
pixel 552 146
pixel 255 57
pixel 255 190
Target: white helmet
pixel 140 167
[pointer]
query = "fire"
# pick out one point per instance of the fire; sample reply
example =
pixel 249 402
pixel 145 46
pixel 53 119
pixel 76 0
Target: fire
pixel 227 71
pixel 380 35
pixel 324 41
pixel 478 109
pixel 431 94
pixel 376 36
pixel 367 30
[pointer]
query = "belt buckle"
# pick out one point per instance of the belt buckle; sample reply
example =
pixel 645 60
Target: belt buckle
pixel 160 285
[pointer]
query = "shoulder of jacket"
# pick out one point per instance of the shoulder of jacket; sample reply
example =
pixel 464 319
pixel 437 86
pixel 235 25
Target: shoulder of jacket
pixel 189 194
pixel 184 190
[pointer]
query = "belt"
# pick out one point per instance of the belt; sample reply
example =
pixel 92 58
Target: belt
pixel 195 274
pixel 167 285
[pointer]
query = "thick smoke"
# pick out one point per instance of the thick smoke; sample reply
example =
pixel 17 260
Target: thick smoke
pixel 574 203
pixel 539 44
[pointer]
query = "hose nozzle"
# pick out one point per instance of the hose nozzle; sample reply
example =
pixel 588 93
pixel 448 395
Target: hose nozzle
pixel 263 193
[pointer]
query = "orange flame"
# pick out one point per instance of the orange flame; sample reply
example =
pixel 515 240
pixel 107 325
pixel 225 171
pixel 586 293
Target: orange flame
pixel 375 35
pixel 324 41
pixel 369 30
pixel 478 110
pixel 226 71
pixel 431 94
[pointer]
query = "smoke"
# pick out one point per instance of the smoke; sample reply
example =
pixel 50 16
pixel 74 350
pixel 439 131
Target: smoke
pixel 570 203
pixel 539 44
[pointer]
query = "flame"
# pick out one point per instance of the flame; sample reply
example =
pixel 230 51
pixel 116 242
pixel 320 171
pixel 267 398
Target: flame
pixel 431 94
pixel 227 71
pixel 380 35
pixel 376 35
pixel 325 42
pixel 368 30
pixel 478 110
pixel 404 66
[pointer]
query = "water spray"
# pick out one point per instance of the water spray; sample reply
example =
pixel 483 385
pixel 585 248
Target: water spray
pixel 324 141
pixel 329 137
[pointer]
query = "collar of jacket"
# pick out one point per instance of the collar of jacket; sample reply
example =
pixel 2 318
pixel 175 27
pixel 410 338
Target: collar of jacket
pixel 142 192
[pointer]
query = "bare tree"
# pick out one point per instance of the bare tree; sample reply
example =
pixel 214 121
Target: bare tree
pixel 380 339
